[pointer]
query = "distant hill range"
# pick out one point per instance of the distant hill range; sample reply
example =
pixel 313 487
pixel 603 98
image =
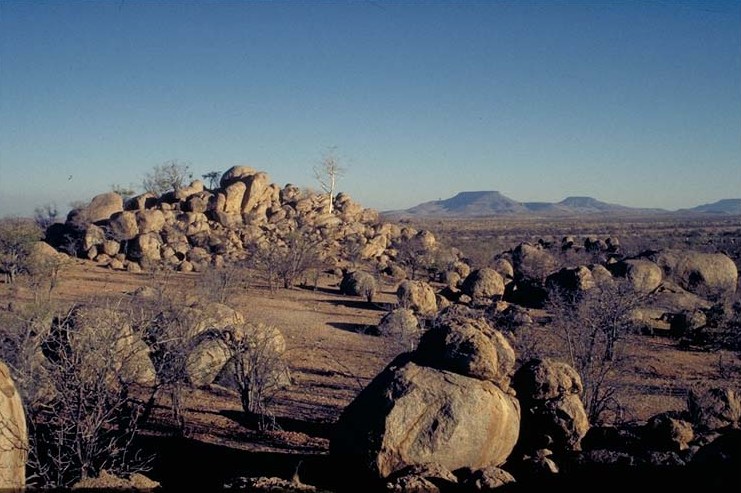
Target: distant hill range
pixel 492 203
pixel 725 206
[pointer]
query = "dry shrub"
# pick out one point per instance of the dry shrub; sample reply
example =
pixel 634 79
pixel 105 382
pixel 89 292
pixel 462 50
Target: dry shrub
pixel 591 325
pixel 80 416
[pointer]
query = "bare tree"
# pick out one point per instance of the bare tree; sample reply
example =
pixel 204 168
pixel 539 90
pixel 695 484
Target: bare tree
pixel 167 330
pixel 217 284
pixel 327 173
pixel 170 175
pixel 592 325
pixel 289 258
pixel 125 192
pixel 413 255
pixel 213 178
pixel 44 273
pixel 46 215
pixel 258 367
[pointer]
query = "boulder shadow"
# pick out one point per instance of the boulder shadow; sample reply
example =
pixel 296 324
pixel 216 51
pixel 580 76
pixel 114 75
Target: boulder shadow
pixel 353 327
pixel 362 304
pixel 310 428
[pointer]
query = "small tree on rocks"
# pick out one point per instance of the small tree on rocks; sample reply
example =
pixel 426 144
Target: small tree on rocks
pixel 327 173
pixel 170 175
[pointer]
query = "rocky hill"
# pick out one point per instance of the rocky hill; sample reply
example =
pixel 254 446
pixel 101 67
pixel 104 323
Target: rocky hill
pixel 194 228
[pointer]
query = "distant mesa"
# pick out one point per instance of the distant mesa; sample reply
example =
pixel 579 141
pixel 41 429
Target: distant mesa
pixel 494 203
pixel 589 204
pixel 469 204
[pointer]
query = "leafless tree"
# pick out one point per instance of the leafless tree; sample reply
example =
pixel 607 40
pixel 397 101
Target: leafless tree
pixel 44 273
pixel 219 283
pixel 287 259
pixel 592 324
pixel 413 256
pixel 125 192
pixel 327 173
pixel 258 367
pixel 170 175
pixel 45 216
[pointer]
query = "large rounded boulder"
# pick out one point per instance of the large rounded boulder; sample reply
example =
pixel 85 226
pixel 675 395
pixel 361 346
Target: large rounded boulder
pixel 483 285
pixel 411 414
pixel 644 275
pixel 470 347
pixel 571 280
pixel 418 296
pixel 235 174
pixel 400 324
pixel 532 263
pixel 710 275
pixel 101 207
pixel 358 283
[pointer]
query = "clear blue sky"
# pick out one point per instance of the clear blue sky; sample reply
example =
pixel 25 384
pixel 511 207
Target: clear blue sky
pixel 631 102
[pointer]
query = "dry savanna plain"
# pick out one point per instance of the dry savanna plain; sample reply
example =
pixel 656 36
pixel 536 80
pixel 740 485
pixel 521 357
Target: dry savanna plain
pixel 333 352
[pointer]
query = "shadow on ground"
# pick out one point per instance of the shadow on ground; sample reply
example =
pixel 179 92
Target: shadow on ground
pixel 311 428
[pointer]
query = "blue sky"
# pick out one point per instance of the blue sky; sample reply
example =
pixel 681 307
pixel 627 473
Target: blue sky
pixel 632 102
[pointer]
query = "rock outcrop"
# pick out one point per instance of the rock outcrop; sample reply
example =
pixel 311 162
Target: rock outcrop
pixel 413 414
pixel 193 228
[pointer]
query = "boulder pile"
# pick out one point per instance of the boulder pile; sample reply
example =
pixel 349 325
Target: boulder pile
pixel 192 228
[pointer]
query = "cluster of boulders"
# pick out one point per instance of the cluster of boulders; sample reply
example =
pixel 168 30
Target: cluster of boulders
pixel 456 415
pixel 449 411
pixel 399 429
pixel 675 289
pixel 193 228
